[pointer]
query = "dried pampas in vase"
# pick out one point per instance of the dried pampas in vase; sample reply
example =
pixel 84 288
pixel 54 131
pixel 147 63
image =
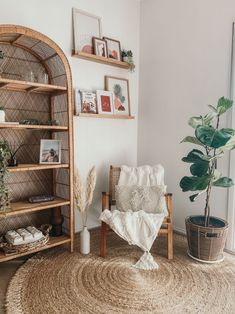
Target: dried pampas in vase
pixel 83 194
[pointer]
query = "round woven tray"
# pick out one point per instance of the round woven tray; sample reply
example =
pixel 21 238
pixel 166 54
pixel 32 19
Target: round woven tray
pixel 15 249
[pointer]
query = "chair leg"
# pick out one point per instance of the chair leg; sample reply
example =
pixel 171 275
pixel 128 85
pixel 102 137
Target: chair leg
pixel 103 239
pixel 170 242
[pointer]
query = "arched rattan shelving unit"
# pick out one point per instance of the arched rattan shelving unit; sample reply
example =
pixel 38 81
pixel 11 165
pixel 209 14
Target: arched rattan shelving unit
pixel 28 51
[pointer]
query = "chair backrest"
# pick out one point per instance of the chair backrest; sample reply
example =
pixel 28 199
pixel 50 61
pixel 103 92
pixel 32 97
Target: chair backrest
pixel 114 175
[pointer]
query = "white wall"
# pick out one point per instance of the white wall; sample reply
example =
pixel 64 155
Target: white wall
pixel 184 65
pixel 99 142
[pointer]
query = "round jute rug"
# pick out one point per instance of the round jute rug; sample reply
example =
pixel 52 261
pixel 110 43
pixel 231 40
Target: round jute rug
pixel 59 282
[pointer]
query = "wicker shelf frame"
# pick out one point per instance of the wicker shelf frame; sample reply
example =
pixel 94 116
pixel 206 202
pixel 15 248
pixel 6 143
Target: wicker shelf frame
pixel 27 50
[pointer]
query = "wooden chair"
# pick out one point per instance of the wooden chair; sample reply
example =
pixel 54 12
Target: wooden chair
pixel 108 199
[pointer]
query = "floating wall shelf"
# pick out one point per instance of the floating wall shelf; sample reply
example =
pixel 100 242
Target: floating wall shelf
pixel 99 59
pixel 105 116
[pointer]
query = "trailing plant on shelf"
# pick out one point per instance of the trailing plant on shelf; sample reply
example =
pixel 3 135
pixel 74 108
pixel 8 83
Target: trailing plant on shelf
pixel 127 56
pixel 215 143
pixel 2 55
pixel 5 154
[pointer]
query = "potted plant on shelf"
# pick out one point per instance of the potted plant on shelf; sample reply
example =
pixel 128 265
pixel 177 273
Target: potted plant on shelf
pixel 5 154
pixel 1 61
pixel 206 234
pixel 2 115
pixel 83 198
pixel 127 56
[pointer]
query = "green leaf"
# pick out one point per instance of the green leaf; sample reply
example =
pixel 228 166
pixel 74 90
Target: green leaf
pixel 213 108
pixel 194 183
pixel 223 105
pixel 211 137
pixel 228 131
pixel 191 139
pixel 223 182
pixel 230 144
pixel 194 156
pixel 195 121
pixel 208 118
pixel 194 196
pixel 199 169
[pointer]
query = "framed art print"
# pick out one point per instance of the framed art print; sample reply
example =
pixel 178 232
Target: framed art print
pixel 104 102
pixel 85 26
pixel 114 48
pixel 120 89
pixel 50 152
pixel 100 47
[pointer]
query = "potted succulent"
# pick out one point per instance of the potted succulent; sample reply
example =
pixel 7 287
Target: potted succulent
pixel 4 191
pixel 206 234
pixel 2 115
pixel 127 56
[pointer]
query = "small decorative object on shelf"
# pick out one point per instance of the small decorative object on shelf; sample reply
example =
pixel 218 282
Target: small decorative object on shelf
pixel 50 151
pixel 127 56
pixel 2 115
pixel 12 161
pixel 105 101
pixel 83 198
pixel 114 48
pixel 56 221
pixel 120 88
pixel 5 154
pixel 41 198
pixel 24 239
pixel 38 122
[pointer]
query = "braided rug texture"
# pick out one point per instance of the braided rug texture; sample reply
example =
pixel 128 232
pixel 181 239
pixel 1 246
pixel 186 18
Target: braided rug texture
pixel 59 282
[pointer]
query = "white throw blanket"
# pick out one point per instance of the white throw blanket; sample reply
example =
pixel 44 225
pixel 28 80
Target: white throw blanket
pixel 138 228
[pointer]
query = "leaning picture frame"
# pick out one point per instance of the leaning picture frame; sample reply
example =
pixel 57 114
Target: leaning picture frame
pixel 85 26
pixel 113 48
pixel 50 152
pixel 121 94
pixel 104 102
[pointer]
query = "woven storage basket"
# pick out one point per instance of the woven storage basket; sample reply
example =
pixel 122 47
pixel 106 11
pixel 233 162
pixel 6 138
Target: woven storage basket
pixel 15 249
pixel 206 243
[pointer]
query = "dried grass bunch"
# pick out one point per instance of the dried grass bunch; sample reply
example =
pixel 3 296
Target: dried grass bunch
pixel 83 193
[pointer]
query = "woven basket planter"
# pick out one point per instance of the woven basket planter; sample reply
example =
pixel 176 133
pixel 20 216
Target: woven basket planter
pixel 206 243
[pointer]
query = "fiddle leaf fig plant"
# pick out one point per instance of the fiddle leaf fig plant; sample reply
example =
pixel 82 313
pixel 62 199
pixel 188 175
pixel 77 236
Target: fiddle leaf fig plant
pixel 212 143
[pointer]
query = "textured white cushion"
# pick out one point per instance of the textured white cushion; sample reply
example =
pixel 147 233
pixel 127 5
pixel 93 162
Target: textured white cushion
pixel 150 199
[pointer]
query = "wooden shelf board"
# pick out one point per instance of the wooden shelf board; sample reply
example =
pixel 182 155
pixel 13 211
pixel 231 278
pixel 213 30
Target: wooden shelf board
pixel 105 116
pixel 103 60
pixel 31 87
pixel 55 128
pixel 19 208
pixel 52 243
pixel 31 167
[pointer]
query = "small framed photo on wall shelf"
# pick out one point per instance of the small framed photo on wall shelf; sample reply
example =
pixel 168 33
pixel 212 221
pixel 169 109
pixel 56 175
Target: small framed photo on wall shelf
pixel 104 102
pixel 114 48
pixel 85 26
pixel 121 98
pixel 50 152
pixel 100 47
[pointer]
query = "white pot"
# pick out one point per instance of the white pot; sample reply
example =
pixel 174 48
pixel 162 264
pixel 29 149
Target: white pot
pixel 85 241
pixel 2 116
pixel 125 59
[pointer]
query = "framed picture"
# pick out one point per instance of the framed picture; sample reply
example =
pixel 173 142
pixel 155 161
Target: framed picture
pixel 120 89
pixel 88 102
pixel 85 26
pixel 114 48
pixel 50 152
pixel 104 101
pixel 100 47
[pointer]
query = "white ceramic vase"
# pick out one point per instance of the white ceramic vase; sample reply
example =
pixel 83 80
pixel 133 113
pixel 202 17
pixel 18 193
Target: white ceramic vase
pixel 85 241
pixel 2 116
pixel 125 59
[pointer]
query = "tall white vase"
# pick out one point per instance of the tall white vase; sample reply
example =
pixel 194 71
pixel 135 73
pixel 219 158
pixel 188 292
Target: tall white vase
pixel 2 116
pixel 85 241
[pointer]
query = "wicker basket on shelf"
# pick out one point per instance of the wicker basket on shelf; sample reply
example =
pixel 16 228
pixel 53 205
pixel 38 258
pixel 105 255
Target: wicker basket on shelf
pixel 17 249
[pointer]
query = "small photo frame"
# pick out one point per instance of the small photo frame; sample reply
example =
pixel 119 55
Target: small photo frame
pixel 50 152
pixel 121 96
pixel 85 26
pixel 104 102
pixel 100 47
pixel 114 48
